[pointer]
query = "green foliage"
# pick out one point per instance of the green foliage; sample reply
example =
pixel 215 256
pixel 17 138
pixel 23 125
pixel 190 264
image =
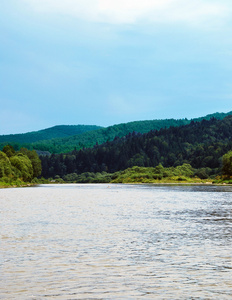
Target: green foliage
pixel 60 139
pixel 59 131
pixel 23 164
pixel 199 144
pixel 100 136
pixel 172 154
pixel 88 177
pixel 9 182
pixel 184 170
pixel 149 175
pixel 227 164
pixel 203 173
pixel 35 161
pixel 9 150
pixel 19 167
pixel 73 177
pixel 5 165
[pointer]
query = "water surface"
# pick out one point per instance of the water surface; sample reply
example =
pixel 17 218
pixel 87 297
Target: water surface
pixel 116 242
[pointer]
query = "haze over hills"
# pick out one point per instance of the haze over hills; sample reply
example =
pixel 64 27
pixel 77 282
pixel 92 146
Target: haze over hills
pixel 65 138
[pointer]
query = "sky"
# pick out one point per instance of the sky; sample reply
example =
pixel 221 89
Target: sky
pixel 105 62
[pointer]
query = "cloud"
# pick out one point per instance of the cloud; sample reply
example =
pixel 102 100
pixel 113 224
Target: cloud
pixel 133 11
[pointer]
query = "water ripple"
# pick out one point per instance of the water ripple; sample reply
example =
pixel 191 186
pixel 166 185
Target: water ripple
pixel 123 242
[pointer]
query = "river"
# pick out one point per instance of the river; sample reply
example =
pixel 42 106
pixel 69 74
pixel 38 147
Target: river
pixel 105 241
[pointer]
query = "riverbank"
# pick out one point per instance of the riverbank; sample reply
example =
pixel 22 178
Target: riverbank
pixel 184 174
pixel 15 184
pixel 5 185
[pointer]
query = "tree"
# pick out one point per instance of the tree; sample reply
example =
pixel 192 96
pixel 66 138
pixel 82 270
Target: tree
pixel 227 164
pixel 5 165
pixel 23 164
pixel 35 161
pixel 9 150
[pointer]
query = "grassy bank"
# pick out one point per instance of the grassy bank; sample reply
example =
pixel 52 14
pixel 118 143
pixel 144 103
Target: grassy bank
pixel 14 183
pixel 159 174
pixel 9 182
pixel 180 174
pixel 184 174
pixel 222 180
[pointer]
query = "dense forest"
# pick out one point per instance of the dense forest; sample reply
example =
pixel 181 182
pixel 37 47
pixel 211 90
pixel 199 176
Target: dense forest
pixel 61 139
pixel 199 144
pixel 198 150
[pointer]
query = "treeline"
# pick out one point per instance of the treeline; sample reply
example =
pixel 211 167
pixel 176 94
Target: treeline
pixel 61 139
pixel 19 166
pixel 85 139
pixel 199 144
pixel 100 136
pixel 59 131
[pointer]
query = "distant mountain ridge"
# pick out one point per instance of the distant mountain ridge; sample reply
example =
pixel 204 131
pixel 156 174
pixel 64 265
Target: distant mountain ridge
pixel 58 131
pixel 199 144
pixel 65 138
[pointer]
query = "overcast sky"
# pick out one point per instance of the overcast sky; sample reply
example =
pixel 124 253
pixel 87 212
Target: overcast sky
pixel 106 62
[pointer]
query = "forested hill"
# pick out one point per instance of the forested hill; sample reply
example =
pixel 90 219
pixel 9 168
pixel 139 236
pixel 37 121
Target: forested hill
pixel 58 131
pixel 91 138
pixel 201 144
pixel 72 140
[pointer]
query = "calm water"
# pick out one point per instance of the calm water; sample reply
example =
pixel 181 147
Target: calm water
pixel 116 242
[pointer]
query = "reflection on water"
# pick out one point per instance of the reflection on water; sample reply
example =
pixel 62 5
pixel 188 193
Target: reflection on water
pixel 116 242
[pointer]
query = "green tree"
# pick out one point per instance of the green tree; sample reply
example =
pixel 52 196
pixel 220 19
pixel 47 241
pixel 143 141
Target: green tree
pixel 227 164
pixel 185 170
pixel 9 150
pixel 35 161
pixel 5 165
pixel 23 164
